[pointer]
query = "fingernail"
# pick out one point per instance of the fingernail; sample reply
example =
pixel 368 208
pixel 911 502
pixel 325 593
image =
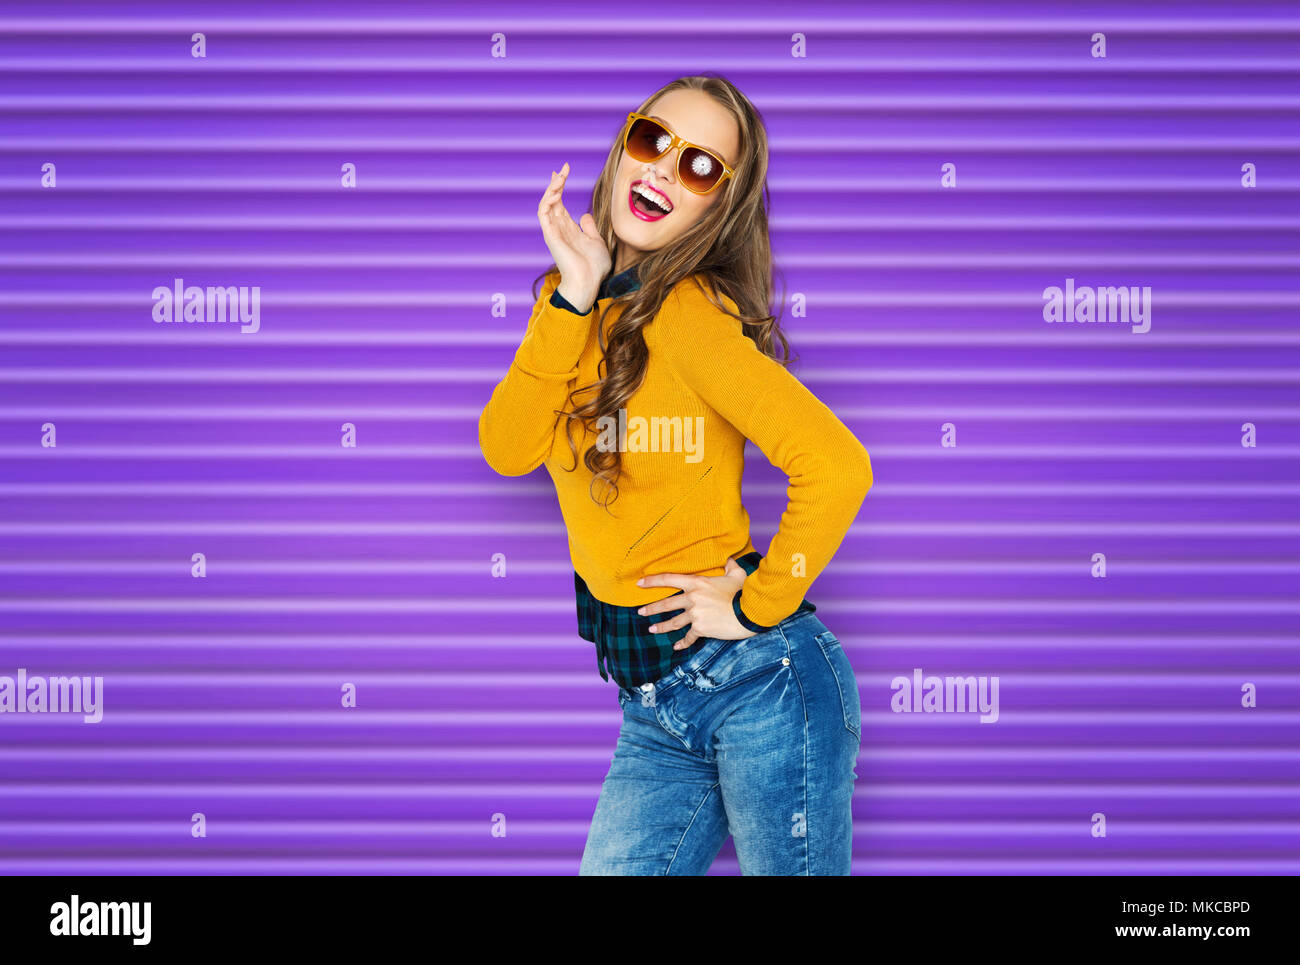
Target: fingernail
pixel 640 581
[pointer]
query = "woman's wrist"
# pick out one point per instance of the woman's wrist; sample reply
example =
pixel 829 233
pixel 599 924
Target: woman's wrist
pixel 745 621
pixel 580 299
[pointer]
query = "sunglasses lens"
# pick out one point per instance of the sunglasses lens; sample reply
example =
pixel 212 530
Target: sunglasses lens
pixel 647 141
pixel 699 170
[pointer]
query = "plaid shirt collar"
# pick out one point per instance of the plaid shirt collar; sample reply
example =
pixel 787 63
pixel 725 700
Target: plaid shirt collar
pixel 622 283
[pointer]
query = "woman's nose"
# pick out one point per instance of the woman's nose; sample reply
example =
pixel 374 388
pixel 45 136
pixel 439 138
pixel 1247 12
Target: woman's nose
pixel 666 166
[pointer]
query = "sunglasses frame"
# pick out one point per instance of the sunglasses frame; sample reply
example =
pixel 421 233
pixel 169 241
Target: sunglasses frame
pixel 679 143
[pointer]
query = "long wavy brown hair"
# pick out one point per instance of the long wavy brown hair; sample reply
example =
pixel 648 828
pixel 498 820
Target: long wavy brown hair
pixel 729 247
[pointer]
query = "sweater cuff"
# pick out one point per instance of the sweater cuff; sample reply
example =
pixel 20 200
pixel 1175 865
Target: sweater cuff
pixel 559 301
pixel 553 343
pixel 745 621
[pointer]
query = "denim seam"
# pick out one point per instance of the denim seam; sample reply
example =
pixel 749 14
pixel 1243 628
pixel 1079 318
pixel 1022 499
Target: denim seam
pixel 686 830
pixel 803 697
pixel 804 775
pixel 668 711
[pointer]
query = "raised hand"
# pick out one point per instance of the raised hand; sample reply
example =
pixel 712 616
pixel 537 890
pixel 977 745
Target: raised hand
pixel 578 250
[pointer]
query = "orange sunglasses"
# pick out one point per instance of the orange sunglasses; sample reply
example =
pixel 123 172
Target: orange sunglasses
pixel 699 170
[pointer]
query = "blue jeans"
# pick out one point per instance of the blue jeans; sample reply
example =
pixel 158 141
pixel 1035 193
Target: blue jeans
pixel 757 738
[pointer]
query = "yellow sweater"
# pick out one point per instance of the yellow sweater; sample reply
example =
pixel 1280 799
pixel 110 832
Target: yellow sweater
pixel 679 508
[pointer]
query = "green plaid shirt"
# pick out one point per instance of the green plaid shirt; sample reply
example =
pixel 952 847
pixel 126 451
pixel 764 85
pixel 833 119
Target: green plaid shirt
pixel 624 643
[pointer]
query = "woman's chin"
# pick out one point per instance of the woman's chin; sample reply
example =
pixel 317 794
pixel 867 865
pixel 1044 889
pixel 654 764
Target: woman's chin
pixel 637 235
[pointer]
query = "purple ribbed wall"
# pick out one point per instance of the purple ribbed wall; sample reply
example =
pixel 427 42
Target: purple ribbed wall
pixel 1119 696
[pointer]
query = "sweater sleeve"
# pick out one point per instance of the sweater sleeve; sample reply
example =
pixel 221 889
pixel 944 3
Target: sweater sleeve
pixel 829 470
pixel 517 426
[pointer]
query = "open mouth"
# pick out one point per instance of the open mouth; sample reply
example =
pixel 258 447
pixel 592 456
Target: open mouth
pixel 647 203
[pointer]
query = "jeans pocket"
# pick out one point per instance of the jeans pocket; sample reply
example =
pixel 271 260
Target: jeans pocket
pixel 845 682
pixel 742 660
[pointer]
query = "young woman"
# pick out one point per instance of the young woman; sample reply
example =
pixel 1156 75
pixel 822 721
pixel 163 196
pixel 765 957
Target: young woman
pixel 740 709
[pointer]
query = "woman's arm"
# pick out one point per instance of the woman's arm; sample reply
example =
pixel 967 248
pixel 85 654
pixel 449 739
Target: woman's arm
pixel 829 469
pixel 517 426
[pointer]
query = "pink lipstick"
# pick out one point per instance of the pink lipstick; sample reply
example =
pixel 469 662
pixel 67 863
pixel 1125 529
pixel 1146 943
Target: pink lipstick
pixel 655 208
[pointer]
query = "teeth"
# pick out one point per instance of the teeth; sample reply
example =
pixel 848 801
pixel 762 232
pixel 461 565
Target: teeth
pixel 652 196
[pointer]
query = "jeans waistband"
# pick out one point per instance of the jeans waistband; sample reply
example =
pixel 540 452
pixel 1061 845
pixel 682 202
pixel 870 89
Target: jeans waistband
pixel 701 655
